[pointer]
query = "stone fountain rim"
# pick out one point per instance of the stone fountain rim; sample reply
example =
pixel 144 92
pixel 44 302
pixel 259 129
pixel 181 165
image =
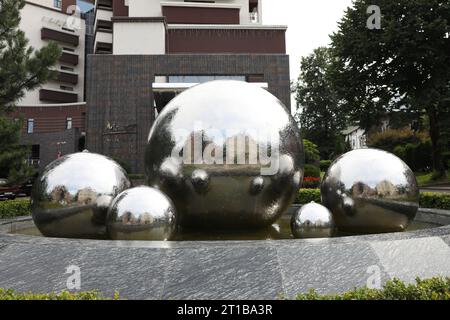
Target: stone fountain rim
pixel 444 230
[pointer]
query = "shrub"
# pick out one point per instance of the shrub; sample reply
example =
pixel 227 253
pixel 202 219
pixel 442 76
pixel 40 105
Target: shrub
pixel 391 138
pixel 312 171
pixel 15 208
pixel 417 156
pixel 64 295
pixel 307 195
pixel 432 289
pixel 312 154
pixel 435 200
pixel 324 165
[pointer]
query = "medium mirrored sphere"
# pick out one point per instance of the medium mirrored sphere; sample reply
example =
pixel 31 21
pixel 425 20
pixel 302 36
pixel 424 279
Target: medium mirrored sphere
pixel 228 154
pixel 370 190
pixel 70 198
pixel 312 220
pixel 141 213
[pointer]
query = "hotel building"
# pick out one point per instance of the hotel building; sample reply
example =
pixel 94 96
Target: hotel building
pixel 147 51
pixel 139 54
pixel 55 113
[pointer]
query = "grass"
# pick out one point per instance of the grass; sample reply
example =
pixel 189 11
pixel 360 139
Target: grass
pixel 424 179
pixel 9 294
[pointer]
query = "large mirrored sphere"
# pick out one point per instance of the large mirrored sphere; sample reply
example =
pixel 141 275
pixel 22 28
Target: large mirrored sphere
pixel 312 220
pixel 370 190
pixel 141 213
pixel 228 154
pixel 70 198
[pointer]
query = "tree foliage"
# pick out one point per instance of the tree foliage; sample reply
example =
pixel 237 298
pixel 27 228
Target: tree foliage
pixel 22 68
pixel 405 65
pixel 320 118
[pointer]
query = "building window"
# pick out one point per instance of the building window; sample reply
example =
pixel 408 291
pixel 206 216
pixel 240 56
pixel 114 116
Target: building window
pixel 202 78
pixel 57 4
pixel 30 125
pixel 69 123
pixel 66 88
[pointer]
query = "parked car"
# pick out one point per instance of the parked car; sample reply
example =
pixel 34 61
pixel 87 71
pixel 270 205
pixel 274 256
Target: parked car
pixel 8 192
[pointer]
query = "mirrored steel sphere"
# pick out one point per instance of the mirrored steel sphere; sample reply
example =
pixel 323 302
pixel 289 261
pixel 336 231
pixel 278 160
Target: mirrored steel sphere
pixel 228 154
pixel 141 213
pixel 70 198
pixel 370 190
pixel 312 220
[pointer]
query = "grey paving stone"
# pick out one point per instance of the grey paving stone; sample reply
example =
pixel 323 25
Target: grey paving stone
pixel 223 273
pixel 327 267
pixel 411 258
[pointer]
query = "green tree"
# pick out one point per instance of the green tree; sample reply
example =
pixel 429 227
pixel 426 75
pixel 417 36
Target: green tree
pixel 22 68
pixel 320 117
pixel 312 154
pixel 405 65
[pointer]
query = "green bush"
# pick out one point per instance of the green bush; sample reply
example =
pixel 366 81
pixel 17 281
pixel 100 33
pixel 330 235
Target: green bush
pixel 417 156
pixel 312 171
pixel 427 199
pixel 308 195
pixel 324 165
pixel 432 289
pixel 312 154
pixel 14 208
pixel 64 295
pixel 435 200
pixel 392 138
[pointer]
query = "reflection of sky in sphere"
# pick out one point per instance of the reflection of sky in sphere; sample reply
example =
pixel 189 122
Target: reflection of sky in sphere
pixel 370 167
pixel 84 170
pixel 227 108
pixel 142 200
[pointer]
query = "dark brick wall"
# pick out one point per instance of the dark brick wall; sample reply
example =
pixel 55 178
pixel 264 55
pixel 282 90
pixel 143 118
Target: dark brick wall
pixel 48 144
pixel 120 99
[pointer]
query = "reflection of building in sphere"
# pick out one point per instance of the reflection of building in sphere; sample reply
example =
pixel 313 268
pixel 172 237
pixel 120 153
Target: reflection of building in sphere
pixel 385 196
pixel 386 189
pixel 71 196
pixel 86 196
pixel 238 163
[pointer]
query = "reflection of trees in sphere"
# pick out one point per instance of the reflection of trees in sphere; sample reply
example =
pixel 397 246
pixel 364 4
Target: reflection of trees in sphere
pixel 71 196
pixel 141 213
pixel 312 220
pixel 370 190
pixel 228 154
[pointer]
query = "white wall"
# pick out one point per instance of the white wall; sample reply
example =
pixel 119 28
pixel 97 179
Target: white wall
pixel 139 38
pixel 46 3
pixel 33 19
pixel 144 8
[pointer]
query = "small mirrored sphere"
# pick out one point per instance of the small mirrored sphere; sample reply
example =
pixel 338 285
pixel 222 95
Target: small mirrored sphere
pixel 141 213
pixel 312 220
pixel 71 197
pixel 228 154
pixel 370 190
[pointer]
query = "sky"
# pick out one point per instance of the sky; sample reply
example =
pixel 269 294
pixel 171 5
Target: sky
pixel 310 22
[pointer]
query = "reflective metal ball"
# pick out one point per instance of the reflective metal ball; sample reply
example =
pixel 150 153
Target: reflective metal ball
pixel 228 154
pixel 70 198
pixel 312 220
pixel 141 213
pixel 370 190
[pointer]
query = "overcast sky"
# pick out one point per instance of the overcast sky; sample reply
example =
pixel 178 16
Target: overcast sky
pixel 310 22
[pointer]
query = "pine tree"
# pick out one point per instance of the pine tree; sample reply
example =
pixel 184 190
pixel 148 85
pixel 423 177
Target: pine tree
pixel 22 68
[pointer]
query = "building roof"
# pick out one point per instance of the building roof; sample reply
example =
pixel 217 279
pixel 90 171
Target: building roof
pixel 350 130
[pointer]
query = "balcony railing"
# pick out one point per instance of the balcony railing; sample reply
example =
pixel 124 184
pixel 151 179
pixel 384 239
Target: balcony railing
pixel 50 34
pixel 67 77
pixel 69 58
pixel 49 95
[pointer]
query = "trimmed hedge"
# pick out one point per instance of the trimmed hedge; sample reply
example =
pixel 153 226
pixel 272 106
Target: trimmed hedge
pixel 325 164
pixel 432 289
pixel 427 199
pixel 307 195
pixel 15 208
pixel 435 200
pixel 64 295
